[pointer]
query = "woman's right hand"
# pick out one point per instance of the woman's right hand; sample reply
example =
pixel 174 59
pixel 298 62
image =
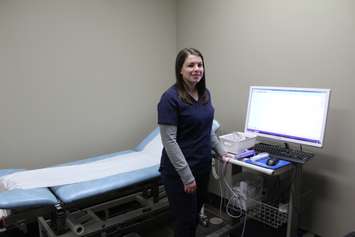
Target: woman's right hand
pixel 190 187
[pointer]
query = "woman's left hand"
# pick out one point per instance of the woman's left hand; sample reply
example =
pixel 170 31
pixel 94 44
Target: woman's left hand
pixel 226 157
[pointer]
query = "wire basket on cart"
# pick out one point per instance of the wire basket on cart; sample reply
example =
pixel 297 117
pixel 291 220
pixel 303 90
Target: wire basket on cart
pixel 271 215
pixel 248 200
pixel 267 214
pixel 262 212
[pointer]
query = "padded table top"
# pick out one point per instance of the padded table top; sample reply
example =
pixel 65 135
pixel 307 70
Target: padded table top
pixel 19 198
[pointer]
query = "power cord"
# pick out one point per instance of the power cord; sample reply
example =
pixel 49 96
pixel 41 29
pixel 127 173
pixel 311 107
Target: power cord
pixel 234 202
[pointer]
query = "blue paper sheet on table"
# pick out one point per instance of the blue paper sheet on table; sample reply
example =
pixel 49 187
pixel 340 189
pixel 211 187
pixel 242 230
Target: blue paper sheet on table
pixel 262 162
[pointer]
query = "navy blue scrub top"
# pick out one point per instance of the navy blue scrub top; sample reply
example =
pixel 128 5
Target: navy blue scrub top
pixel 194 123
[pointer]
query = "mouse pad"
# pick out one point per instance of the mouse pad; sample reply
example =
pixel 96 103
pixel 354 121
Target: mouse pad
pixel 262 162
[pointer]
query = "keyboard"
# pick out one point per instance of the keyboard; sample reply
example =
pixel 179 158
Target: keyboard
pixel 282 153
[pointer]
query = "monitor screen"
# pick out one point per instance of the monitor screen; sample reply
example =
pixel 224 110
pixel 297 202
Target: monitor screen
pixel 288 114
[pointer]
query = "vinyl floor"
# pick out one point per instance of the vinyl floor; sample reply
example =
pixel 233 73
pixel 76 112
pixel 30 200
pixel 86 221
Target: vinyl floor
pixel 163 227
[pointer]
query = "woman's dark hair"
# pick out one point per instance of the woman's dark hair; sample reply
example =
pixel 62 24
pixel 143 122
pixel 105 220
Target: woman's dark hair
pixel 181 86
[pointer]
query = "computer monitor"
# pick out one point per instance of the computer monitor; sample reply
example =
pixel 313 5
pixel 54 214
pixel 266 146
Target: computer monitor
pixel 288 114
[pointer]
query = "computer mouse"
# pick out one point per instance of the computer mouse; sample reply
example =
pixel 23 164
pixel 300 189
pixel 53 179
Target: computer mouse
pixel 272 162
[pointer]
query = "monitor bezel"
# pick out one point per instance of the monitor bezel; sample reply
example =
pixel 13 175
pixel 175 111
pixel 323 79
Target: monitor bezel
pixel 283 137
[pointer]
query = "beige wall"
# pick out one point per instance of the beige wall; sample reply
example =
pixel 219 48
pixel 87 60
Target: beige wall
pixel 81 78
pixel 285 43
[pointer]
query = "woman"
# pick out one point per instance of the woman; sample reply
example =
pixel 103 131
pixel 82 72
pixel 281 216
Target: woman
pixel 185 116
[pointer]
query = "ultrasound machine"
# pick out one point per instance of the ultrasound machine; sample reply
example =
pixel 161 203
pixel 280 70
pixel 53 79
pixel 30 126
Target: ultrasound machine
pixel 283 119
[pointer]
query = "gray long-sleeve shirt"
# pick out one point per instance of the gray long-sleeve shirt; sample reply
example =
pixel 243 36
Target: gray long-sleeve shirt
pixel 176 157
